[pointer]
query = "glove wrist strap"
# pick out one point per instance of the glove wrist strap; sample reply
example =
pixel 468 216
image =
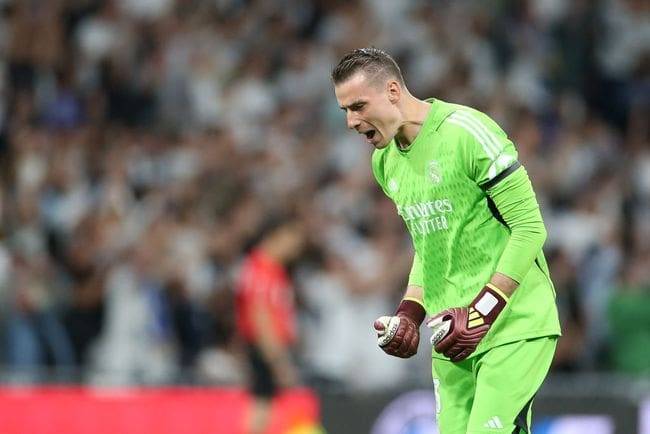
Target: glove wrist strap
pixel 487 305
pixel 411 309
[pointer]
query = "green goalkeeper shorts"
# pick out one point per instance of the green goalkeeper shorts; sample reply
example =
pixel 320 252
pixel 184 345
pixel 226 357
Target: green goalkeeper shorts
pixel 492 392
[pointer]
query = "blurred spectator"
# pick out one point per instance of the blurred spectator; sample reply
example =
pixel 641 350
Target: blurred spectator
pixel 34 335
pixel 571 343
pixel 136 342
pixel 628 312
pixel 221 358
pixel 143 144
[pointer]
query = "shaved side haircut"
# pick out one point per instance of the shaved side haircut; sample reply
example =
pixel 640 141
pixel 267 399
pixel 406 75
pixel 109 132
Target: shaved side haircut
pixel 374 63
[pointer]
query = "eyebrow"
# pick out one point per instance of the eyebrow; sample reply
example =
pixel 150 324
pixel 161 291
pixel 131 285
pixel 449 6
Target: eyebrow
pixel 357 102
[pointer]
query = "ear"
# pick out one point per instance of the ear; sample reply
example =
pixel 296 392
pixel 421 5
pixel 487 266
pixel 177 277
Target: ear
pixel 394 91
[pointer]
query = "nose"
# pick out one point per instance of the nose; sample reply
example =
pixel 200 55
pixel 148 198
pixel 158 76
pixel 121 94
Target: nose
pixel 352 119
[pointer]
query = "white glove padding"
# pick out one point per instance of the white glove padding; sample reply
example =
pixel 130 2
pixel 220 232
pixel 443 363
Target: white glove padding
pixel 440 327
pixel 386 327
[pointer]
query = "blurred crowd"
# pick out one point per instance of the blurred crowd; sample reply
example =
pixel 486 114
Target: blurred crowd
pixel 143 145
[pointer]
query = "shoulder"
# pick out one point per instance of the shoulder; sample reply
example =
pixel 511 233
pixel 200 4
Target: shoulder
pixel 469 121
pixel 446 112
pixel 477 131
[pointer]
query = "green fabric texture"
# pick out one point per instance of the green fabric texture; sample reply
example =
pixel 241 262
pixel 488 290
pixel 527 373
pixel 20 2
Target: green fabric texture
pixel 515 199
pixel 416 276
pixel 469 394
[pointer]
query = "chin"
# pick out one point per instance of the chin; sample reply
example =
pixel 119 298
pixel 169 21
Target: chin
pixel 381 145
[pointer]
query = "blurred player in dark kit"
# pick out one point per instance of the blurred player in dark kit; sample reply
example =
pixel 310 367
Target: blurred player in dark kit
pixel 266 316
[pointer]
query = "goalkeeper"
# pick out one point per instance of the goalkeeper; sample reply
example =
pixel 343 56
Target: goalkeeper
pixel 478 268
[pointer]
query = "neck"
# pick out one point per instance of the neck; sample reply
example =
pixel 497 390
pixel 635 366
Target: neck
pixel 415 112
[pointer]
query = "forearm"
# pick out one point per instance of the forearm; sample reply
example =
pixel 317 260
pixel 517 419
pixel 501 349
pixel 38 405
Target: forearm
pixel 504 283
pixel 276 354
pixel 414 293
pixel 515 199
pixel 266 339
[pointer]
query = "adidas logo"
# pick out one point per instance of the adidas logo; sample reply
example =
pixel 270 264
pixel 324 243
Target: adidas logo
pixel 494 423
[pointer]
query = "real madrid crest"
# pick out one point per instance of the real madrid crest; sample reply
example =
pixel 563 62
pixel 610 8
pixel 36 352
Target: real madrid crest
pixel 434 174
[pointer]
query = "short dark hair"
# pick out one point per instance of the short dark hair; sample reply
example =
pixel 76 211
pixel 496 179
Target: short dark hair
pixel 372 61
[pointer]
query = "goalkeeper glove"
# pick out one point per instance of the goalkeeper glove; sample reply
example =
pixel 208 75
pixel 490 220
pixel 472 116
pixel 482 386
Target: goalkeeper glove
pixel 399 335
pixel 468 325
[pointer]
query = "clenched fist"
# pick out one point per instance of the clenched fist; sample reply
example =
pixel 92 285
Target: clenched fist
pixel 399 335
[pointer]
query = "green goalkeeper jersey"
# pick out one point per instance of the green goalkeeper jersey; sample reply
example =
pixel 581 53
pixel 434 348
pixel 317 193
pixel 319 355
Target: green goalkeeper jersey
pixel 471 211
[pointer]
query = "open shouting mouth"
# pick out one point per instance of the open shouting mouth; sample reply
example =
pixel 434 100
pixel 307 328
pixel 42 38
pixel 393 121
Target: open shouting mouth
pixel 370 135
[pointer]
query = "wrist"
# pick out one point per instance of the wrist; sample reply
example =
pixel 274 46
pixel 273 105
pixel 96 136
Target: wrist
pixel 413 309
pixel 487 306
